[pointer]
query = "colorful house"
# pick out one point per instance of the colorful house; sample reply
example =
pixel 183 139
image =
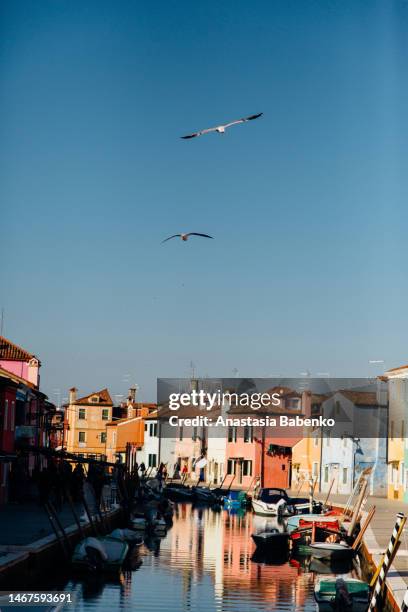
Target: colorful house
pixel 85 420
pixel 345 456
pixel 306 453
pixel 149 453
pixel 20 362
pixel 397 433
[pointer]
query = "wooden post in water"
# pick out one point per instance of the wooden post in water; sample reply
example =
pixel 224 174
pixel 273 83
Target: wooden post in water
pixel 357 507
pixel 363 529
pixel 328 493
pixel 387 559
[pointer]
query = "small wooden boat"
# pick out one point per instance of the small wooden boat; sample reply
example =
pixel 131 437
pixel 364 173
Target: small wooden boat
pixel 139 523
pixel 127 535
pixel 178 492
pixel 341 594
pixel 271 541
pixel 332 550
pixel 158 526
pixel 204 494
pixel 292 522
pixel 103 554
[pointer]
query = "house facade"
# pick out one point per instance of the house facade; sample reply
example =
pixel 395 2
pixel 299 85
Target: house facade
pixel 20 362
pixel 85 421
pixel 345 457
pixel 149 453
pixel 397 433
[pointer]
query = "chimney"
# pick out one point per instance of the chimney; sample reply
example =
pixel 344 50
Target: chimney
pixel 132 395
pixel 73 395
pixel 194 384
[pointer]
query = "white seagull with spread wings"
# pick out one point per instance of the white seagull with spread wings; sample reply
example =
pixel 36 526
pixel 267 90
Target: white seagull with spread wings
pixel 221 128
pixel 185 236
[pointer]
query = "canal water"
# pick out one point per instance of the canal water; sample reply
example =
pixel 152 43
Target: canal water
pixel 205 563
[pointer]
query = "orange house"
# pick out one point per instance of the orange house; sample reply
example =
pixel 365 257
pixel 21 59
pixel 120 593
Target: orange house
pixel 125 431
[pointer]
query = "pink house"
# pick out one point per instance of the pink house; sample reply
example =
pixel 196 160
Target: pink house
pixel 20 362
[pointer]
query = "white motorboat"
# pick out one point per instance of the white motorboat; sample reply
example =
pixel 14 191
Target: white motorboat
pixel 270 502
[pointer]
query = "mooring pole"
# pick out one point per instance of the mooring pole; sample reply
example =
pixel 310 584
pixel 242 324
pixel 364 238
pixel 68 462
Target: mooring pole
pixel 387 559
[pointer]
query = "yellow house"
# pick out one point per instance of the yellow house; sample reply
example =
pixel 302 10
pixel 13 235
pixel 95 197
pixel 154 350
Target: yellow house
pixel 86 420
pixel 397 431
pixel 306 462
pixel 306 454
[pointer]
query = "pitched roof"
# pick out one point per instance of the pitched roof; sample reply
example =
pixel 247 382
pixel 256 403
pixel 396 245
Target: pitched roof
pixel 104 399
pixel 403 367
pixel 360 398
pixel 9 350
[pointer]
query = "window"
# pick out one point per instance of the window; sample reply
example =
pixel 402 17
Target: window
pixel 247 467
pixel 345 442
pixel 293 403
pixel 326 474
pixel 230 466
pixel 105 414
pixel 195 433
pixel 81 414
pixel 81 436
pixel 12 415
pixel 153 430
pixel 152 460
pixel 248 434
pixel 315 471
pixel 232 434
pixel 181 433
pixel 95 399
pixel 103 437
pixel 345 475
pixel 402 471
pixel 316 440
pixel 145 426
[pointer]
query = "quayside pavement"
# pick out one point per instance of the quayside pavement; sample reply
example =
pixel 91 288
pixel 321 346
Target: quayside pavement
pixel 378 536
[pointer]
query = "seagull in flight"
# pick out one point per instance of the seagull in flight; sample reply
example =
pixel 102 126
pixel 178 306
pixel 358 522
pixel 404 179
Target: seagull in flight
pixel 221 128
pixel 186 236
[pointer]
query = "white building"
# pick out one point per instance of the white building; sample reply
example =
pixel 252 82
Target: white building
pixel 149 454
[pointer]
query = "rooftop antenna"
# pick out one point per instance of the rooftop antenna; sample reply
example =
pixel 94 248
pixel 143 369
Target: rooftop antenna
pixel 192 368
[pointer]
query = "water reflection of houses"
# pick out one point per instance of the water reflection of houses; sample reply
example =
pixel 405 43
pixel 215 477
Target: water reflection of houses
pixel 203 543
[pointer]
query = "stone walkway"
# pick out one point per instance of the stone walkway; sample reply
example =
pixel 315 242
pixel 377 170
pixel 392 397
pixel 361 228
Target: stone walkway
pixel 378 536
pixel 22 524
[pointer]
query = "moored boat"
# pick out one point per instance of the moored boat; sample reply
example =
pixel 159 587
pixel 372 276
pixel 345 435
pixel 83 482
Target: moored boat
pixel 271 541
pixel 341 594
pixel 335 551
pixel 103 554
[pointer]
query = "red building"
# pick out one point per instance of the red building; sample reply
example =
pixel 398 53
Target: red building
pixel 264 453
pixel 8 390
pixel 25 415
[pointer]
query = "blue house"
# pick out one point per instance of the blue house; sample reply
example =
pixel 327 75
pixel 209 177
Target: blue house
pixel 357 443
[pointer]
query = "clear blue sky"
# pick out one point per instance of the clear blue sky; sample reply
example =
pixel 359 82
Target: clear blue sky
pixel 308 204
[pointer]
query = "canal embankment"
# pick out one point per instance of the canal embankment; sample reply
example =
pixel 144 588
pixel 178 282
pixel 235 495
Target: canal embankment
pixel 28 544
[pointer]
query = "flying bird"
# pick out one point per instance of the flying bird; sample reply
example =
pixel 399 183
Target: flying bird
pixel 186 236
pixel 221 128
